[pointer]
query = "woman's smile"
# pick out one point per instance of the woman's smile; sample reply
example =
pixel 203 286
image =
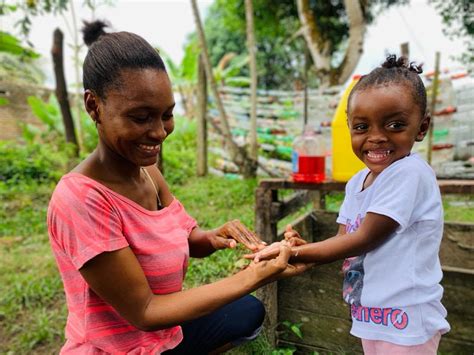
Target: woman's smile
pixel 151 150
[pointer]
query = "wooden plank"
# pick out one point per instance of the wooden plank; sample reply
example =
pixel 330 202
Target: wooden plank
pixel 318 330
pixel 457 249
pixel 456 186
pixel 288 184
pixel 446 186
pixel 318 290
pixel 281 209
pixel 452 346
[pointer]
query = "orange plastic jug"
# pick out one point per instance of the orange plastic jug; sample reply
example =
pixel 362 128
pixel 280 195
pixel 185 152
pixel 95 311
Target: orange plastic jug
pixel 344 162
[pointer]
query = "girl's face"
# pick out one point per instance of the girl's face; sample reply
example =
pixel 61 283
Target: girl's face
pixel 136 116
pixel 384 123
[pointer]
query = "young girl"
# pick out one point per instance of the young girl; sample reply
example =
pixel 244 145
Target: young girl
pixel 121 239
pixel 391 220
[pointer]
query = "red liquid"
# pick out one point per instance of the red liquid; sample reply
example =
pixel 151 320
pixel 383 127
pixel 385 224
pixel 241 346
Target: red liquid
pixel 310 169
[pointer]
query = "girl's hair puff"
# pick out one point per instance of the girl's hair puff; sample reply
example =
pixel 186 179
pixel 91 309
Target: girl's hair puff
pixel 109 53
pixel 396 71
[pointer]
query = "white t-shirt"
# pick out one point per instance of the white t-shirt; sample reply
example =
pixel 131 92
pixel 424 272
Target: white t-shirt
pixel 394 290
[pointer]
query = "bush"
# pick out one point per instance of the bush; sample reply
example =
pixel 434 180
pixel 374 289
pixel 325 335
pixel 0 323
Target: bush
pixel 33 163
pixel 179 153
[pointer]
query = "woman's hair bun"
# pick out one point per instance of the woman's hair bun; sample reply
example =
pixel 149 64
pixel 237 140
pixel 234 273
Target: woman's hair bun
pixel 92 31
pixel 401 62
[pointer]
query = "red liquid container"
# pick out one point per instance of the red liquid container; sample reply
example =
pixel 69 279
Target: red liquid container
pixel 309 157
pixel 311 169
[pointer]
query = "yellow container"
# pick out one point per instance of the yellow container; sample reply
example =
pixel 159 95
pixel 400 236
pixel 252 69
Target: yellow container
pixel 344 162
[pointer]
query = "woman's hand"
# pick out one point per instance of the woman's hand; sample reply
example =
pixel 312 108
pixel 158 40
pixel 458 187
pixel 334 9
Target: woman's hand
pixel 277 268
pixel 232 232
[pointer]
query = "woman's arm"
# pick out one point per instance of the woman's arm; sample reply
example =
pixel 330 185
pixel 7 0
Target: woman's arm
pixel 201 242
pixel 119 280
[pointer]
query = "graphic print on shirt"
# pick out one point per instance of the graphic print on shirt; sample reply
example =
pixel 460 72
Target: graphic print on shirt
pixel 353 269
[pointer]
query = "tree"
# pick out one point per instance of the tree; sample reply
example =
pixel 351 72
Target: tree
pixel 238 154
pixel 321 48
pixel 333 31
pixel 253 79
pixel 458 18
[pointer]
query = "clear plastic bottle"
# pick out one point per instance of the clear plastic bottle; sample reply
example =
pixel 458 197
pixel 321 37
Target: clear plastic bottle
pixel 309 157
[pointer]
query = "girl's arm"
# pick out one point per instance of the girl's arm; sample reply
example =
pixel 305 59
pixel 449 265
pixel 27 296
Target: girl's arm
pixel 119 280
pixel 374 229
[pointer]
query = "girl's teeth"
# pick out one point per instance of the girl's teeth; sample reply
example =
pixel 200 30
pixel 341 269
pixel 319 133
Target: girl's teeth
pixel 378 154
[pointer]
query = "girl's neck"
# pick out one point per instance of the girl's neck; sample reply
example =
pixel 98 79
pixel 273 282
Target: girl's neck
pixel 369 179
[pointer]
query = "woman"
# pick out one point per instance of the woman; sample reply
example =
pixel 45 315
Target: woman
pixel 120 238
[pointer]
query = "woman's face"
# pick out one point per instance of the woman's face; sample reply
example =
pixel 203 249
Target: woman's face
pixel 136 116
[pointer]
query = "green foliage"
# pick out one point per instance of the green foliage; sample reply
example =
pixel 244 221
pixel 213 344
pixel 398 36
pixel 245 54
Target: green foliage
pixel 280 50
pixel 294 328
pixel 47 112
pixel 458 20
pixel 11 44
pixel 32 163
pixel 4 101
pixel 29 9
pixel 278 58
pixel 179 152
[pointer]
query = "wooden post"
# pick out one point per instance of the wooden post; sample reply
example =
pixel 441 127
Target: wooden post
pixel 405 50
pixel 266 228
pixel 253 152
pixel 305 73
pixel 201 120
pixel 434 92
pixel 61 88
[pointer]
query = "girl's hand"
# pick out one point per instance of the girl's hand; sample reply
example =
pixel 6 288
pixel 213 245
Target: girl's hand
pixel 232 232
pixel 278 268
pixel 292 239
pixel 269 252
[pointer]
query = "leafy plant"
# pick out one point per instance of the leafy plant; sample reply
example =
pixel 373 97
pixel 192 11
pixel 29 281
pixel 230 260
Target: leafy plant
pixel 295 328
pixel 11 44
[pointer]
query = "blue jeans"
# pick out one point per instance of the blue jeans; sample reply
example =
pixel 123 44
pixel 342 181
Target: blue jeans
pixel 234 323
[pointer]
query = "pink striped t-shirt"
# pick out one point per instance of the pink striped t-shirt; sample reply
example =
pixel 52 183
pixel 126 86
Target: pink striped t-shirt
pixel 85 218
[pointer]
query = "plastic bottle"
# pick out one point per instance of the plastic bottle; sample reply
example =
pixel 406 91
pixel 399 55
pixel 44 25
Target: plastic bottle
pixel 309 157
pixel 344 162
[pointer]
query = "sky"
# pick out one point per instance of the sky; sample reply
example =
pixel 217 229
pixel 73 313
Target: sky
pixel 167 24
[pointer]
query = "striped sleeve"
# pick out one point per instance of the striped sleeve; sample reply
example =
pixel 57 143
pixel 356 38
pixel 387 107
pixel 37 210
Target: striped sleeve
pixel 83 222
